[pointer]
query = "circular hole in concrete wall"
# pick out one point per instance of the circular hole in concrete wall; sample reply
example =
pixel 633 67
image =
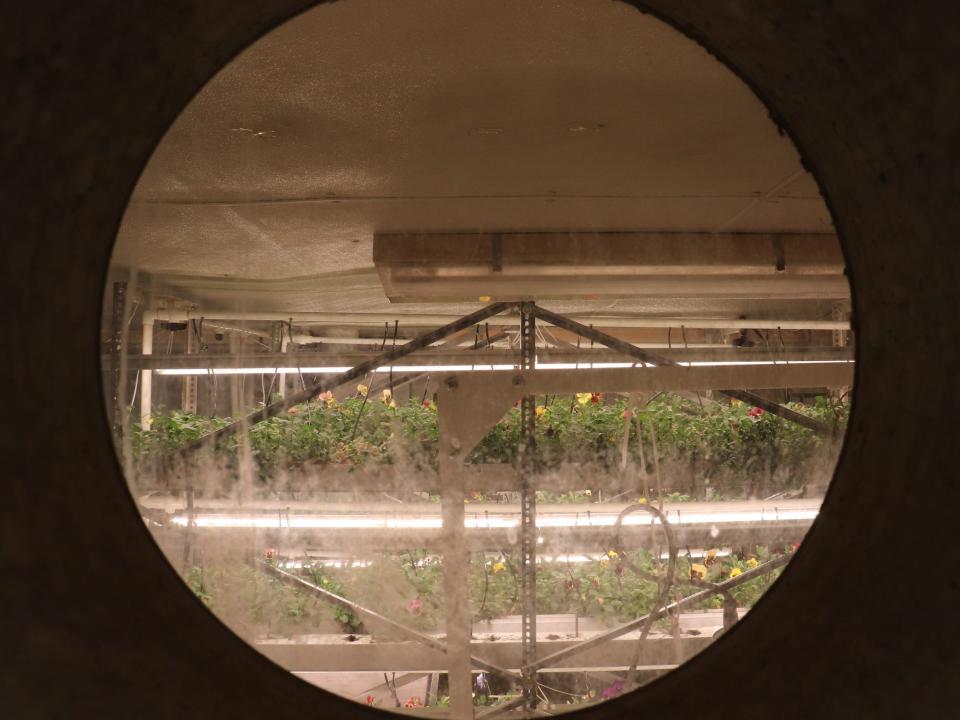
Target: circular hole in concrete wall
pixel 485 357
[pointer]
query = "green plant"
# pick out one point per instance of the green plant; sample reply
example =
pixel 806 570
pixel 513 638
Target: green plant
pixel 726 449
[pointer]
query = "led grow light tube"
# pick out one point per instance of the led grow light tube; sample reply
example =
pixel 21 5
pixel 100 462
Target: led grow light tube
pixel 578 520
pixel 486 368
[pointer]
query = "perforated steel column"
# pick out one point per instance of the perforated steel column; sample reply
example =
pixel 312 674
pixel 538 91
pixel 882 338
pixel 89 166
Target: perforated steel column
pixel 528 512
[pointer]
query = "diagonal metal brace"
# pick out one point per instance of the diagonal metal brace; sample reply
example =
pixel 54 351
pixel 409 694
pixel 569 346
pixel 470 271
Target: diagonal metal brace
pixel 377 618
pixel 355 373
pixel 637 624
pixel 647 357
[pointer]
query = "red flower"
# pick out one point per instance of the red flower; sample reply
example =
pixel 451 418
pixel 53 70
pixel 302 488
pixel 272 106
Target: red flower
pixel 755 412
pixel 369 699
pixel 596 397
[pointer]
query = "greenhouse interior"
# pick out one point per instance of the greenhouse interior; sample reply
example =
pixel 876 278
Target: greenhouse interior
pixel 464 366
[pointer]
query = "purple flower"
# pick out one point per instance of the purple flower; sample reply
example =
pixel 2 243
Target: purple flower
pixel 615 688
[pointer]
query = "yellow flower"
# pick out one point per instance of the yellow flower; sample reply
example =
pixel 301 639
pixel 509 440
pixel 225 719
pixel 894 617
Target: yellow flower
pixel 612 554
pixel 752 563
pixel 584 398
pixel 540 410
pixel 735 572
pixel 385 396
pixel 362 389
pixel 328 398
pixel 711 554
pixel 499 567
pixel 698 570
pixel 641 501
pixel 604 561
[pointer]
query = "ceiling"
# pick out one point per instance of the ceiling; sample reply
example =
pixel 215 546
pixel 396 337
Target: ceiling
pixel 363 117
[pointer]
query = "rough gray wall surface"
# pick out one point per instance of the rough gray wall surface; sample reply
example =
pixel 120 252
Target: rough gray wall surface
pixel 95 624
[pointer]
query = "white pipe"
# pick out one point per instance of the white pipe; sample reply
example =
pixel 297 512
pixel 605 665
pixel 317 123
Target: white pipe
pixel 378 319
pixel 146 376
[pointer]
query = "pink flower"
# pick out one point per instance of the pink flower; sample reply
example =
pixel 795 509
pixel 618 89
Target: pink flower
pixel 755 412
pixel 414 606
pixel 627 414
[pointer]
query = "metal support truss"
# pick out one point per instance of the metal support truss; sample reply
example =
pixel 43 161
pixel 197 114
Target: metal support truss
pixel 376 619
pixel 528 512
pixel 355 373
pixel 653 359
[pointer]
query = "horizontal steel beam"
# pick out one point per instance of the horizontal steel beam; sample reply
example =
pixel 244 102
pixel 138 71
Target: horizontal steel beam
pixel 408 320
pixel 360 656
pixel 418 267
pixel 665 379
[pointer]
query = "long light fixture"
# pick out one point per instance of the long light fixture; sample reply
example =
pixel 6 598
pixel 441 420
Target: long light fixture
pixel 488 522
pixel 334 370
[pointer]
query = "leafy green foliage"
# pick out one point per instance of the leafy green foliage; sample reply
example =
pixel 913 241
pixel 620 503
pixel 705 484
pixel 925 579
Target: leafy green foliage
pixel 727 446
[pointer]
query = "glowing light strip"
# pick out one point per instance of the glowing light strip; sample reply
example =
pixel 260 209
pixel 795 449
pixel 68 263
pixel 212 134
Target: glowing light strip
pixel 486 368
pixel 583 519
pixel 579 558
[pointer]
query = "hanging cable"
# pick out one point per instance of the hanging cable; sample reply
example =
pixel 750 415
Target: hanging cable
pixel 396 326
pixel 686 347
pixel 668 579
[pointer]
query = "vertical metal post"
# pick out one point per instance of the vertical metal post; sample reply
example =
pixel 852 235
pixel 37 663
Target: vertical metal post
pixel 188 394
pixel 284 342
pixel 146 376
pixel 839 336
pixel 528 513
pixel 456 558
pixel 118 313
